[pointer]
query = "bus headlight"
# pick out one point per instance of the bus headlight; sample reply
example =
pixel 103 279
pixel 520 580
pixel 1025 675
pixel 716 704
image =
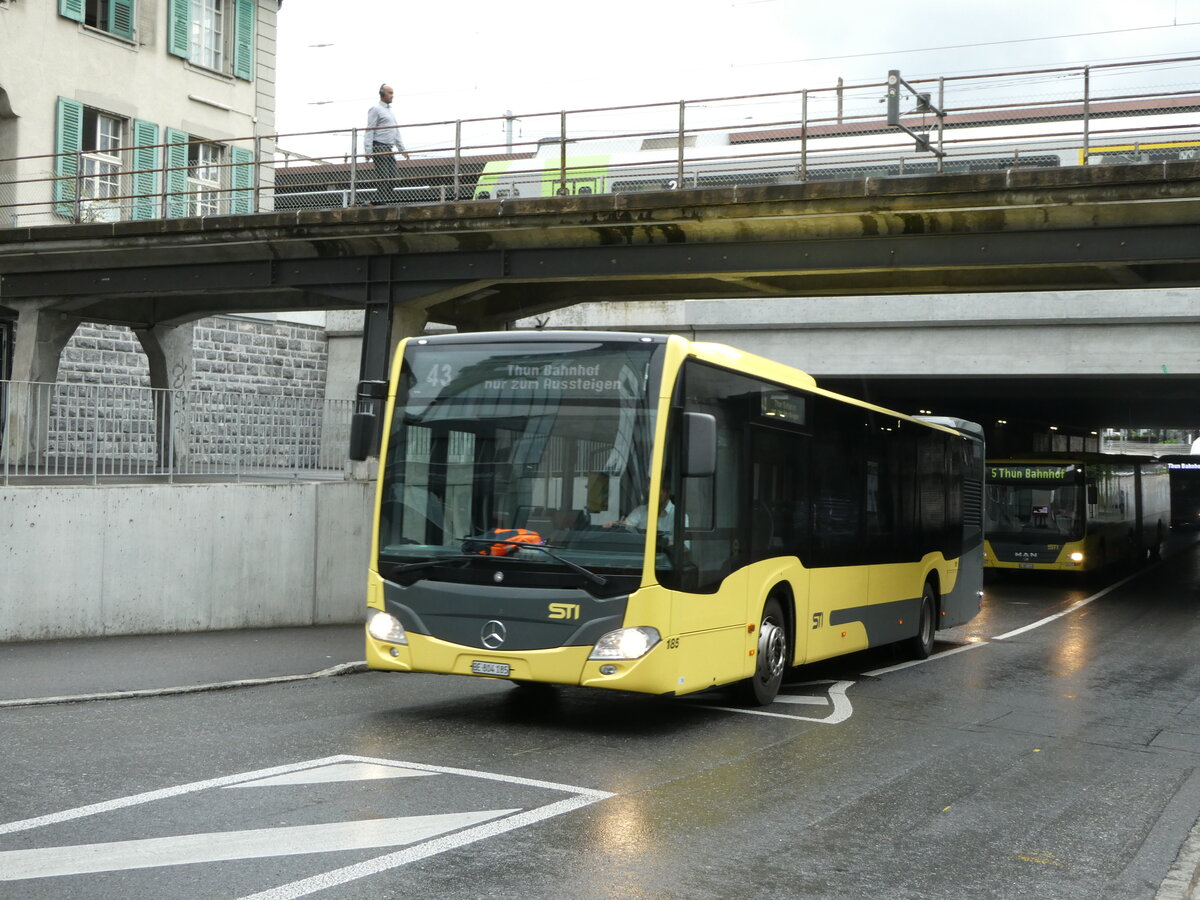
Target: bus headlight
pixel 385 627
pixel 626 643
pixel 1076 557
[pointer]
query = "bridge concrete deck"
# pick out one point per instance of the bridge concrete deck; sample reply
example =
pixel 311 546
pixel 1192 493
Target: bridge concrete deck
pixel 481 263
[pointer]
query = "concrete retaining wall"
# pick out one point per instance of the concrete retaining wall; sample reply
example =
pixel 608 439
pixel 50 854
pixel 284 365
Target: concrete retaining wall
pixel 134 559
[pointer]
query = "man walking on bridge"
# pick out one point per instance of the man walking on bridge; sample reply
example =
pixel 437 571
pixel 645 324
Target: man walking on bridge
pixel 384 139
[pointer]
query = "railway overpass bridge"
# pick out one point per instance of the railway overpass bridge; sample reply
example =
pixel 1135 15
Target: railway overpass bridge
pixel 473 265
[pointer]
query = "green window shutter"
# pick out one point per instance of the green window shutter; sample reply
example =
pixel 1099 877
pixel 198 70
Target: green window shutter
pixel 120 18
pixel 72 9
pixel 242 182
pixel 145 170
pixel 68 139
pixel 178 28
pixel 243 40
pixel 177 173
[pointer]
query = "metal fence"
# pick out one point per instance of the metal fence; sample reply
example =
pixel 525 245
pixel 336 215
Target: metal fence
pixel 94 432
pixel 1123 112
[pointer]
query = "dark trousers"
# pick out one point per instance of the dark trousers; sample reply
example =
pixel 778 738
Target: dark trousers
pixel 386 173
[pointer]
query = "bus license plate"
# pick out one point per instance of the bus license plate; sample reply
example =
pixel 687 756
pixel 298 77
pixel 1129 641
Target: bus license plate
pixel 490 668
pixel 1025 565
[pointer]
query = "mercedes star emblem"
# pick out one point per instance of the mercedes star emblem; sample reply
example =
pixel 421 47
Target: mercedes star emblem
pixel 493 634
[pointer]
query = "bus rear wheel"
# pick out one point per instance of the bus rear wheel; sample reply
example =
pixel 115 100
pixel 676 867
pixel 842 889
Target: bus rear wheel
pixel 771 657
pixel 920 645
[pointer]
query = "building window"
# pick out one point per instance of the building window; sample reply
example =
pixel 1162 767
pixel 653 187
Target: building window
pixel 215 34
pixel 114 16
pixel 100 189
pixel 204 178
pixel 207 42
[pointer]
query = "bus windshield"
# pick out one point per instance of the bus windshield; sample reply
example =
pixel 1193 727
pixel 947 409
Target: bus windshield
pixel 1024 512
pixel 513 441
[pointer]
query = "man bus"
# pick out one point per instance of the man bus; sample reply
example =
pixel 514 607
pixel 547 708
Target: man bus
pixel 779 524
pixel 1076 514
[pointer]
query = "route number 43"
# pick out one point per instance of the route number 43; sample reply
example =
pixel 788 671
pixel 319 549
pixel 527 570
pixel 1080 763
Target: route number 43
pixel 439 375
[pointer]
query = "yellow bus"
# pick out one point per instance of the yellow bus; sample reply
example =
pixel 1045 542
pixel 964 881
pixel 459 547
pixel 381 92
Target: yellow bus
pixel 644 513
pixel 1075 513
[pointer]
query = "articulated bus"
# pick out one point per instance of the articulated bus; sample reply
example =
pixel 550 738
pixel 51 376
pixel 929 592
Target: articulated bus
pixel 1077 514
pixel 643 513
pixel 1184 474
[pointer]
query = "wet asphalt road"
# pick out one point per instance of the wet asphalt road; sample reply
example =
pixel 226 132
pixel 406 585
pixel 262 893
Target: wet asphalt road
pixel 1056 762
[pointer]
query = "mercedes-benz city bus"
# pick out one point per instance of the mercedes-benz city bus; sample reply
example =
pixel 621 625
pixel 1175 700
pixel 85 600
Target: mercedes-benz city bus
pixel 644 513
pixel 1076 514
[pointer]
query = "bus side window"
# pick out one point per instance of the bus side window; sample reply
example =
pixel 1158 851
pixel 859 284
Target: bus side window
pixel 715 538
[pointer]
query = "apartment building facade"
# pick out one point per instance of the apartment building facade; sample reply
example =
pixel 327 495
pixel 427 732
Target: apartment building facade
pixel 131 109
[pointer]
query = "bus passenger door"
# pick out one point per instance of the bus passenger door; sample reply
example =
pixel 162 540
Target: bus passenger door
pixel 838 586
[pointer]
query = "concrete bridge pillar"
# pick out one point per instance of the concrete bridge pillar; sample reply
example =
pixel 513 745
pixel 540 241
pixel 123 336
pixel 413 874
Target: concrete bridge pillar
pixel 171 357
pixel 40 338
pixel 407 321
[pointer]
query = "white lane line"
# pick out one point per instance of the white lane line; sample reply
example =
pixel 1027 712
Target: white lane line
pixel 1070 609
pixel 223 846
pixel 325 880
pixel 930 658
pixel 342 669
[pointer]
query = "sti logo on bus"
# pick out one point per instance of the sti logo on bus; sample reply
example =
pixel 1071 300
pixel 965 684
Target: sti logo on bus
pixel 564 611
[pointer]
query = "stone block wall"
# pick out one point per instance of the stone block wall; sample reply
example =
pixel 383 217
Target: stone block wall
pixel 256 398
pixel 233 354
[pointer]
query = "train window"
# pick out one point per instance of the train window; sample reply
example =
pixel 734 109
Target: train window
pixel 630 187
pixel 483 195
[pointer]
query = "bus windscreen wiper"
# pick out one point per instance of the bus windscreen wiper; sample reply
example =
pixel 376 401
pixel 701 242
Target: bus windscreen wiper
pixel 527 545
pixel 586 573
pixel 465 558
pixel 427 564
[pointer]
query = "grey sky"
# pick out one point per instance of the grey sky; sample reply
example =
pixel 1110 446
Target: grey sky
pixel 465 58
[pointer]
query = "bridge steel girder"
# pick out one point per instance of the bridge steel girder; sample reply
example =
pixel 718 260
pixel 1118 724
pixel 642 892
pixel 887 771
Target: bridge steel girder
pixel 465 287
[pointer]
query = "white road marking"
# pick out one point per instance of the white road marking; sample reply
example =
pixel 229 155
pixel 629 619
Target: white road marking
pixel 930 658
pixel 321 882
pixel 842 709
pixel 1070 609
pixel 350 771
pixel 801 699
pixel 222 846
pixel 179 790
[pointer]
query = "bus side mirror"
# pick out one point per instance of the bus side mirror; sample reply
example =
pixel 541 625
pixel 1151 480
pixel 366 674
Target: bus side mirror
pixel 1092 494
pixel 372 390
pixel 701 431
pixel 362 435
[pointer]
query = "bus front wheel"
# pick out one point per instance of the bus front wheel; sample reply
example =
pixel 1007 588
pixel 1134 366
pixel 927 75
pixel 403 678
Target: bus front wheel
pixel 920 645
pixel 771 657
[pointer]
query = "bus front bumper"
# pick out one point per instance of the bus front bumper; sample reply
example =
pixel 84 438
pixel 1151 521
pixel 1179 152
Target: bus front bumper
pixel 559 665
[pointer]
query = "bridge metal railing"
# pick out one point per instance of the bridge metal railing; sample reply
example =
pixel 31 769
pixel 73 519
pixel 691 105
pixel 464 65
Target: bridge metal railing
pixel 1138 111
pixel 96 433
